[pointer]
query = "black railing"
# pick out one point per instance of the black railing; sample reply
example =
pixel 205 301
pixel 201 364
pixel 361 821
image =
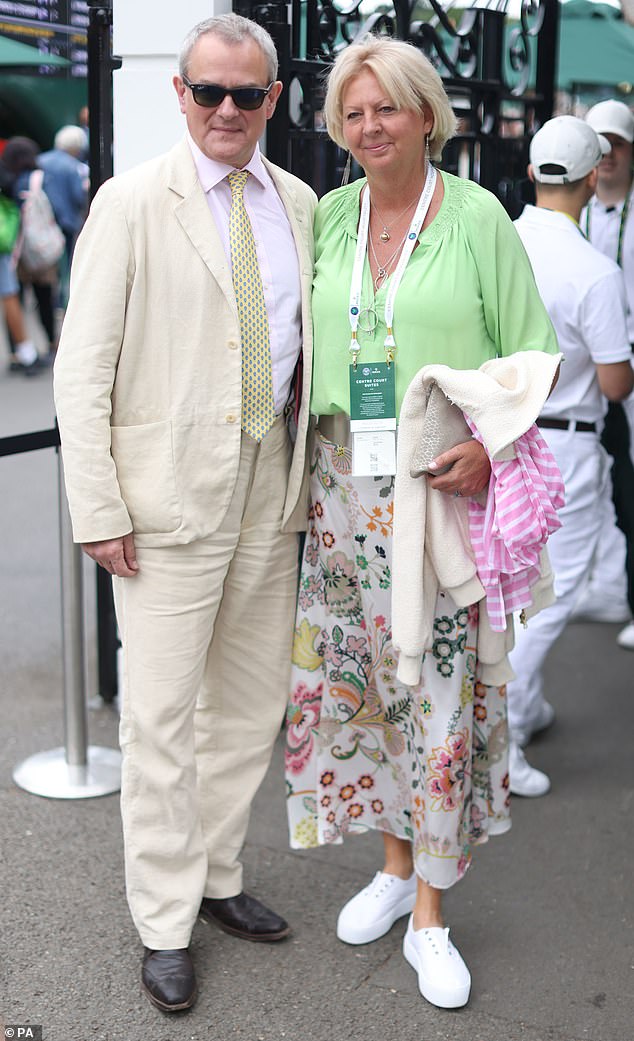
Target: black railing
pixel 499 73
pixel 101 64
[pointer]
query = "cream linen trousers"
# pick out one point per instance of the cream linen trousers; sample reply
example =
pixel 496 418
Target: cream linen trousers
pixel 207 633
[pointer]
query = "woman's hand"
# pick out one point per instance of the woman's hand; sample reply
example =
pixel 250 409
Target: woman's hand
pixel 469 473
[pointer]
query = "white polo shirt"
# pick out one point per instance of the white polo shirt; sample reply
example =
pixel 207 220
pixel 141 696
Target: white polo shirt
pixel 276 252
pixel 584 295
pixel 602 224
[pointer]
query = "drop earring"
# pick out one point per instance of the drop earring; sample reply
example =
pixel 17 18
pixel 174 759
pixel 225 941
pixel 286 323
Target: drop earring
pixel 346 170
pixel 427 151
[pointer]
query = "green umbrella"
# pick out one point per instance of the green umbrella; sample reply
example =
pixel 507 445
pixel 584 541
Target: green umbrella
pixel 14 54
pixel 30 104
pixel 596 47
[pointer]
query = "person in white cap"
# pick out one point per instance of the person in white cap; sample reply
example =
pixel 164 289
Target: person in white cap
pixel 609 595
pixel 584 295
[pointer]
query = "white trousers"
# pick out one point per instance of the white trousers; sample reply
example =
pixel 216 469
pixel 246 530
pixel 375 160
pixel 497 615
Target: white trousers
pixel 607 585
pixel 584 467
pixel 207 633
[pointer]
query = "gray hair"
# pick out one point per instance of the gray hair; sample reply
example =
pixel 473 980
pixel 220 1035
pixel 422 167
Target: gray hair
pixel 70 139
pixel 404 73
pixel 233 29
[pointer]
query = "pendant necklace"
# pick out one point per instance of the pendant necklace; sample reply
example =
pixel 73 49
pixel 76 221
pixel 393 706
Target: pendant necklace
pixel 383 270
pixel 385 234
pixel 368 320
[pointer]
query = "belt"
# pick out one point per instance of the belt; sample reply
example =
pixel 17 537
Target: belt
pixel 567 424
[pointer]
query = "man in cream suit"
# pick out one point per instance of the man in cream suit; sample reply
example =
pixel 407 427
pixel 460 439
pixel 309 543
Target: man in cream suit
pixel 177 370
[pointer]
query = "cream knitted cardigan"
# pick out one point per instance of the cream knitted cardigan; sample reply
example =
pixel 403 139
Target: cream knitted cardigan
pixel 432 548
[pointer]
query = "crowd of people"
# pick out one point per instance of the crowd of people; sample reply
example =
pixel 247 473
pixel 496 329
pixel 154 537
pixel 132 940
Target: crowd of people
pixel 234 364
pixel 62 175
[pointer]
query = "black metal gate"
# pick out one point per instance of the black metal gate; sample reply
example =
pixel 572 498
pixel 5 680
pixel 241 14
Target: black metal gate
pixel 498 71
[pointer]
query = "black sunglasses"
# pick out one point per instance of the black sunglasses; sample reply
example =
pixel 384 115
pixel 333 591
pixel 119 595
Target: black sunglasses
pixel 210 95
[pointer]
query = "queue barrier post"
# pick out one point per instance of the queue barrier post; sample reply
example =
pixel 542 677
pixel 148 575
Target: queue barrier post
pixel 78 770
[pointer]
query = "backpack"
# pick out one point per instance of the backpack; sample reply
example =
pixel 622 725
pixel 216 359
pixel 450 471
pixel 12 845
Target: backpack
pixel 9 224
pixel 42 240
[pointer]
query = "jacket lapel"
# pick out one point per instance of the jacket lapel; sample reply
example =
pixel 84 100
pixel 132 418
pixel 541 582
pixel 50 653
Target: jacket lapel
pixel 192 213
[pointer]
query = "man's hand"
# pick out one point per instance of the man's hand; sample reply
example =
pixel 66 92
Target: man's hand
pixel 469 473
pixel 117 556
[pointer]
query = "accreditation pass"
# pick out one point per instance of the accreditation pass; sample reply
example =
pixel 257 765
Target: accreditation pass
pixel 373 419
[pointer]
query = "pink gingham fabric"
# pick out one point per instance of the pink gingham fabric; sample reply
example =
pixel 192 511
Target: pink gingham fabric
pixel 509 532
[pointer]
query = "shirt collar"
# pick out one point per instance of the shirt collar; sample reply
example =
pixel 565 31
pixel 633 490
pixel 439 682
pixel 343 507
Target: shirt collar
pixel 542 215
pixel 211 173
pixel 600 207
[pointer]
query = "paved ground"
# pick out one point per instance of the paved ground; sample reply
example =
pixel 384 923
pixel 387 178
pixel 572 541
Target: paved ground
pixel 543 918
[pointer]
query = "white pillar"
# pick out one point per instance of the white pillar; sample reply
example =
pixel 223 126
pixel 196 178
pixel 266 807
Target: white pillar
pixel 147 120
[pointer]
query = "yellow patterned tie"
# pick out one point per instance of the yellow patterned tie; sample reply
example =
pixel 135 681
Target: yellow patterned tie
pixel 258 410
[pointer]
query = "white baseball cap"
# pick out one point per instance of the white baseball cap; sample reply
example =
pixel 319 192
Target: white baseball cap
pixel 565 149
pixel 612 117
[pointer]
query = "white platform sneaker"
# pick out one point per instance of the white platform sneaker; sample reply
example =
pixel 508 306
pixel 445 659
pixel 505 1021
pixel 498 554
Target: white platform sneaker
pixel 443 977
pixel 372 912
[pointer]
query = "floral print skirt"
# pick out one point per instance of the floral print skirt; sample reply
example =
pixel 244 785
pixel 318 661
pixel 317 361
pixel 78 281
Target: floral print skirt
pixel 426 763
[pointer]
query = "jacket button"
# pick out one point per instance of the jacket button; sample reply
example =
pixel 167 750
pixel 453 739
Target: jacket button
pixel 230 418
pixel 232 345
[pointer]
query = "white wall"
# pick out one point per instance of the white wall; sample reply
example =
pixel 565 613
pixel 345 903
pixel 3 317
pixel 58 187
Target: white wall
pixel 147 120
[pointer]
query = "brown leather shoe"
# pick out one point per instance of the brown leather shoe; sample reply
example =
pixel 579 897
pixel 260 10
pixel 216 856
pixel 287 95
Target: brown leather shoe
pixel 168 979
pixel 244 916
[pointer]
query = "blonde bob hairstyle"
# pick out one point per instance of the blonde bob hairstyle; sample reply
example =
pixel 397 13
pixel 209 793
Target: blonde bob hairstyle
pixel 404 73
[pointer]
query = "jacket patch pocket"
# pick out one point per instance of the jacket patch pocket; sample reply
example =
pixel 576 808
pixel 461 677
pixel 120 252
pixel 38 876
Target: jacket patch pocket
pixel 144 460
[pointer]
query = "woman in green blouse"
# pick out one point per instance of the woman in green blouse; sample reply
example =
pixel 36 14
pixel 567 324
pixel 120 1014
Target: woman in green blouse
pixel 412 267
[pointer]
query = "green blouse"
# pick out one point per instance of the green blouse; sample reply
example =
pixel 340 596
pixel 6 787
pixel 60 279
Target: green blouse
pixel 467 294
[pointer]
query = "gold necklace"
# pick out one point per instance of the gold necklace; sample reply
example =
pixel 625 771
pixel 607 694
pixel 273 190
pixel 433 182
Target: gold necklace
pixel 385 234
pixel 383 270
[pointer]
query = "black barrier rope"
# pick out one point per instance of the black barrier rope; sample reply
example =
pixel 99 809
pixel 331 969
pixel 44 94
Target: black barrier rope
pixel 19 443
pixel 107 639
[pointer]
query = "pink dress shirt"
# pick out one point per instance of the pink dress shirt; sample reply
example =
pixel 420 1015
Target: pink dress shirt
pixel 277 257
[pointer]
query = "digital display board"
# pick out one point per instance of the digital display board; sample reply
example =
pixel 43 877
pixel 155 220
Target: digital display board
pixel 53 27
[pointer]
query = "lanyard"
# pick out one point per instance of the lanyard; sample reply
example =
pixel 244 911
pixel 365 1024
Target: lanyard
pixel 624 215
pixel 572 221
pixel 395 281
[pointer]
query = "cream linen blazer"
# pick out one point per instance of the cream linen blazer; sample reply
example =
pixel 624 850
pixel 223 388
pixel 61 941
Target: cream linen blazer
pixel 148 379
